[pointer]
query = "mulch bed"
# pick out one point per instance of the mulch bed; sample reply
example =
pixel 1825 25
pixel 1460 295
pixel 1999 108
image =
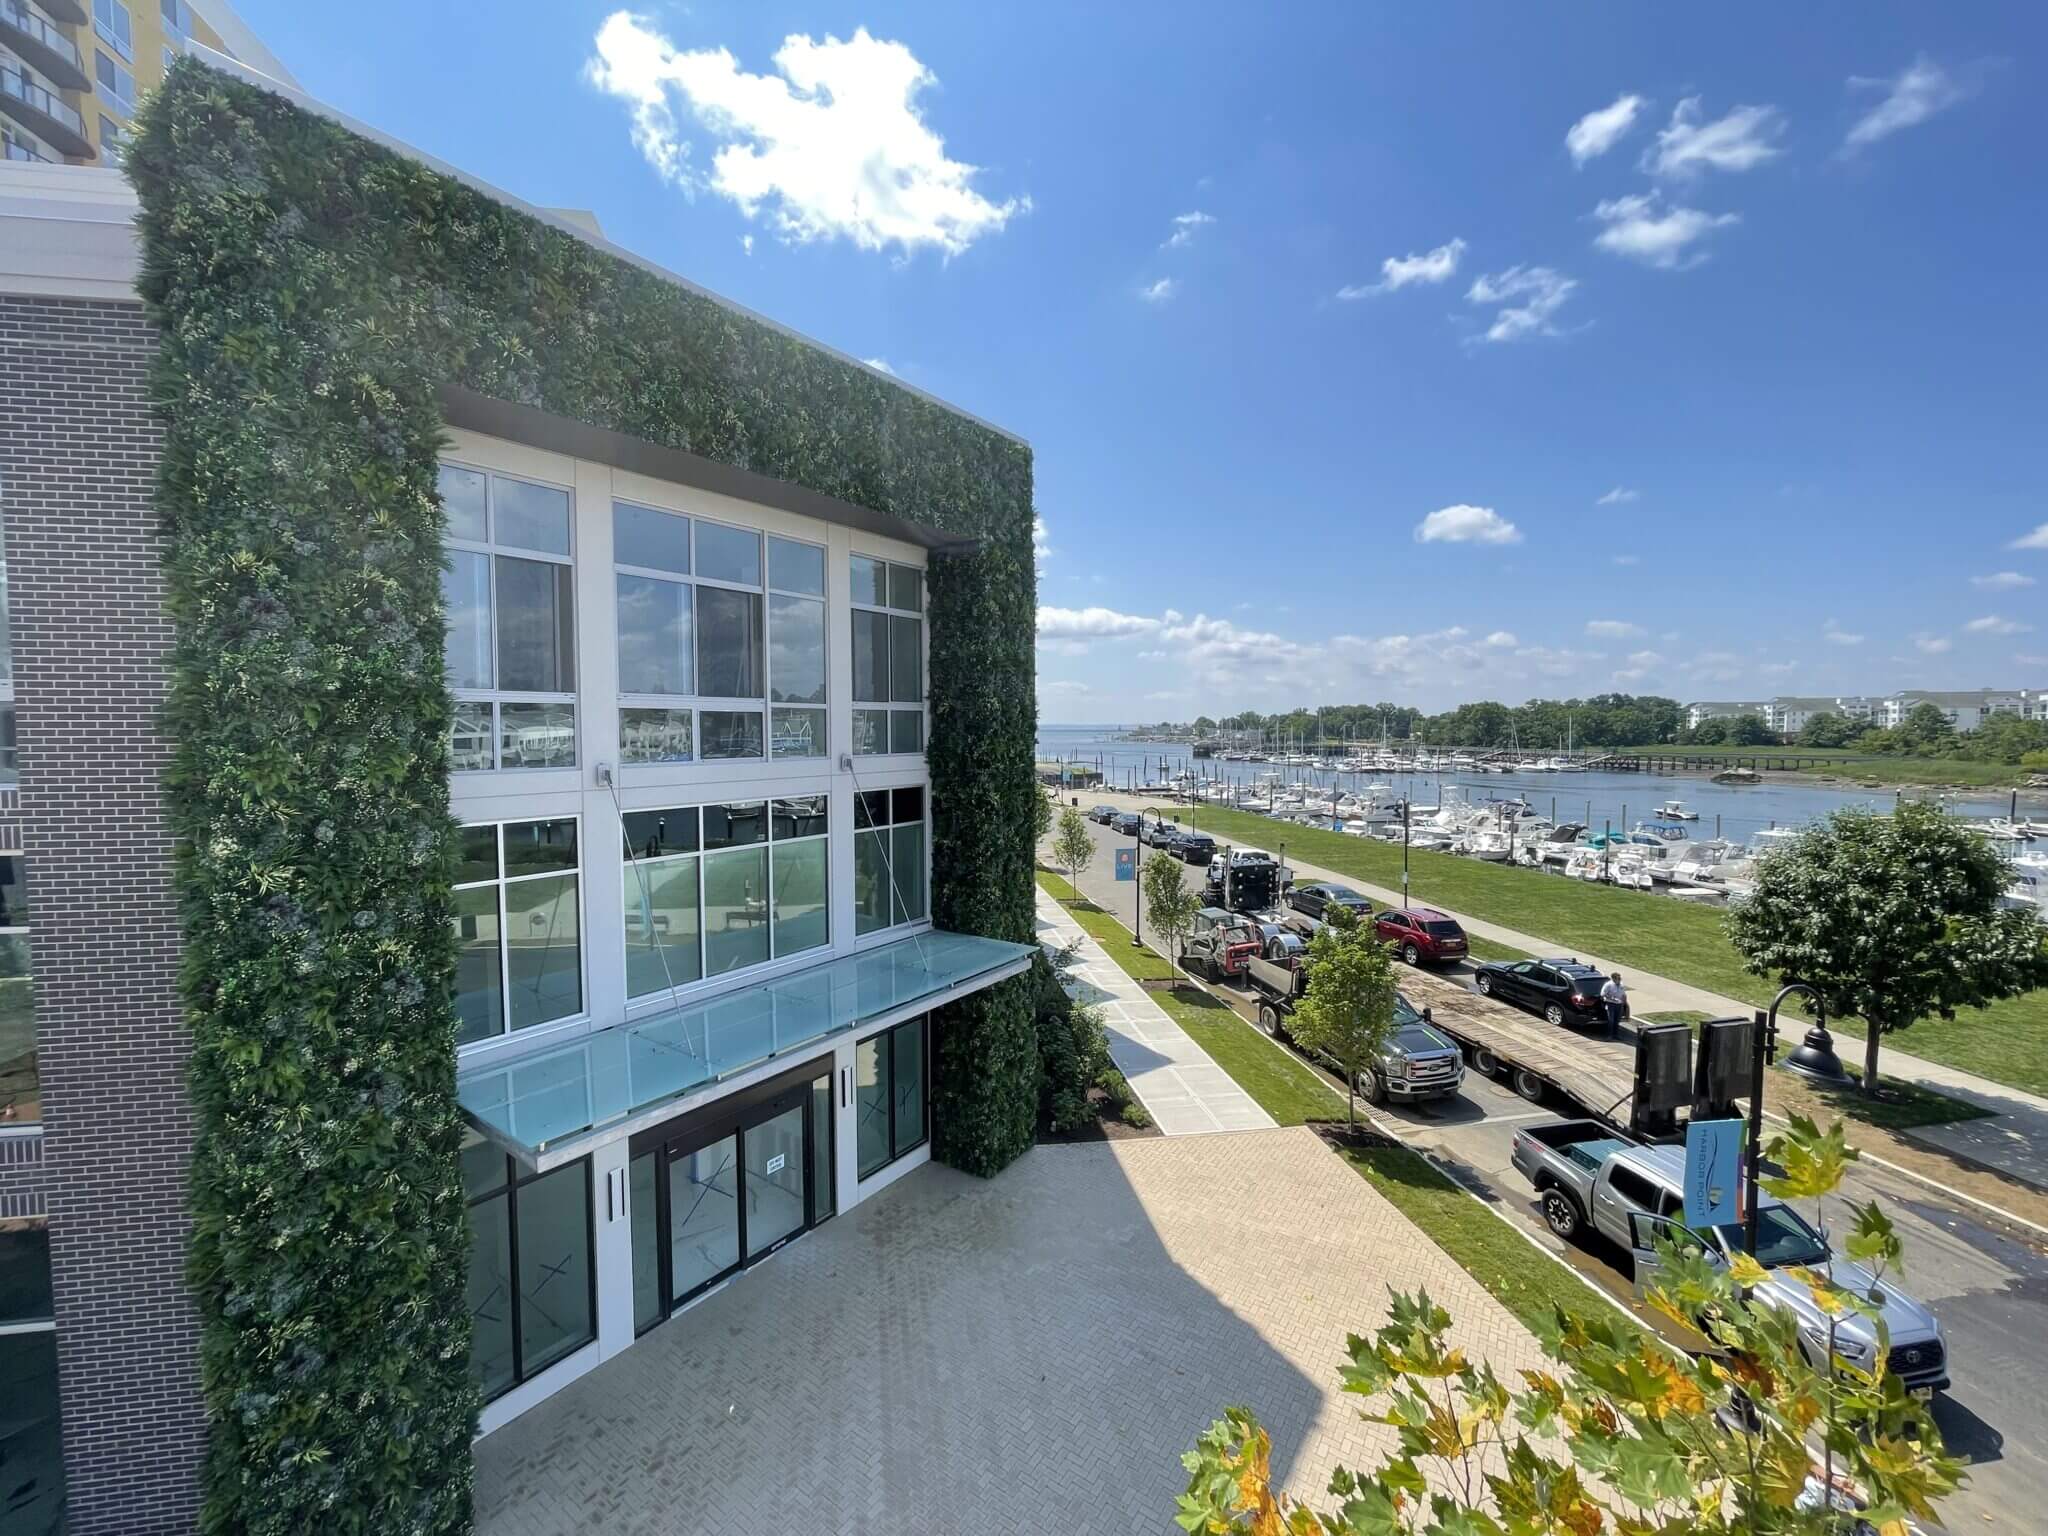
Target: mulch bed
pixel 1108 1125
pixel 1340 1136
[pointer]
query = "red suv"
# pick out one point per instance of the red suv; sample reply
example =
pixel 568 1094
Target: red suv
pixel 1422 933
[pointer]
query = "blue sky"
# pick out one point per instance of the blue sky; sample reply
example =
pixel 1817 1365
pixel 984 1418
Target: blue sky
pixel 1367 352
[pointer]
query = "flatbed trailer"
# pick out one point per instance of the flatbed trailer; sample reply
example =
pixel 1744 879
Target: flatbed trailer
pixel 1596 1073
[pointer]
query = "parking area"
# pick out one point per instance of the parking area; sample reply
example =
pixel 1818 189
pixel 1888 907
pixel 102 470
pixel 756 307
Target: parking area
pixel 1026 1353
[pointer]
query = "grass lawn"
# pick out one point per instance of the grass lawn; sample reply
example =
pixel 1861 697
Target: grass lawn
pixel 2007 1042
pixel 1482 1243
pixel 1846 762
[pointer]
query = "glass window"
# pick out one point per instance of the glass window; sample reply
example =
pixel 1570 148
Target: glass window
pixel 640 1197
pixel 656 834
pixel 800 920
pixel 663 935
pixel 731 734
pixel 729 554
pixel 518 929
pixel 735 910
pixel 823 1197
pixel 21 1093
pixel 117 82
pixel 889 1095
pixel 704 1215
pixel 511 621
pixel 655 650
pixel 531 1276
pixel 110 21
pixel 32 1457
pixel 736 826
pixel 796 636
pixel 889 868
pixel 799 732
pixel 794 567
pixel 728 643
pixel 24 1270
pixel 555 1313
pixel 888 656
pixel 656 735
pixel 659 541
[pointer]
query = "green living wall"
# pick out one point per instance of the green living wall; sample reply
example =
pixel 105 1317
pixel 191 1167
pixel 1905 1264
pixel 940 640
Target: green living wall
pixel 314 292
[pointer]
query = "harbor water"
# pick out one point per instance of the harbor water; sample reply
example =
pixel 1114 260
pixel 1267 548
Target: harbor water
pixel 1597 799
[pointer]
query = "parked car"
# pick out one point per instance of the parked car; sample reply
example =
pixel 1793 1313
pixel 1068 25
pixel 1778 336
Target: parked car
pixel 1196 847
pixel 1127 822
pixel 1585 1175
pixel 1105 814
pixel 1220 944
pixel 1563 991
pixel 1420 934
pixel 1416 1061
pixel 1316 900
pixel 1156 833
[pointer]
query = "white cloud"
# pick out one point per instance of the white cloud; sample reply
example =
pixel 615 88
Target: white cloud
pixel 1614 629
pixel 2002 581
pixel 1598 132
pixel 1736 142
pixel 1715 666
pixel 1041 542
pixel 1063 685
pixel 1915 94
pixel 1617 496
pixel 2038 539
pixel 747 245
pixel 1628 559
pixel 1932 645
pixel 1466 525
pixel 1547 661
pixel 1541 290
pixel 1091 624
pixel 833 144
pixel 1642 228
pixel 1399 271
pixel 1501 639
pixel 1778 668
pixel 1184 227
pixel 880 365
pixel 1993 624
pixel 2026 660
pixel 1837 636
pixel 1159 292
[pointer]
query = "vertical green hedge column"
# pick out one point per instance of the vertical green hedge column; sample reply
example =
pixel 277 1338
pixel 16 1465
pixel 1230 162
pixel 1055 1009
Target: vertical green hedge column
pixel 309 798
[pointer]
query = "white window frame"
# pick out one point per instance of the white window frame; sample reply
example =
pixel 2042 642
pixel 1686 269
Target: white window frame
pixel 697 703
pixel 891 706
pixel 497 697
pixel 547 1028
pixel 632 866
pixel 105 29
pixel 890 930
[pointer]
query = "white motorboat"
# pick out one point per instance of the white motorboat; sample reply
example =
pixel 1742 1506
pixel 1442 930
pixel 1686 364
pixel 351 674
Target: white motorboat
pixel 1629 868
pixel 1486 843
pixel 1584 863
pixel 1675 810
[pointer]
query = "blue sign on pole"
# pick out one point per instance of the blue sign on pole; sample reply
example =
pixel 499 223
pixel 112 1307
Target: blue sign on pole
pixel 1127 863
pixel 1713 1164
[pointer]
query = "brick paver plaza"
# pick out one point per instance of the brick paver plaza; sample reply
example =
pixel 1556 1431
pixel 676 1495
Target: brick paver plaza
pixel 1029 1353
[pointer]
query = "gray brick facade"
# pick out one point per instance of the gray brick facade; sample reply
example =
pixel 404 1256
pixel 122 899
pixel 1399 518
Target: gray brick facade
pixel 78 453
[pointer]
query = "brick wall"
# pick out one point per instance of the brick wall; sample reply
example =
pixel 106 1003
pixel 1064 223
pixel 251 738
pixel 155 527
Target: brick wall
pixel 78 452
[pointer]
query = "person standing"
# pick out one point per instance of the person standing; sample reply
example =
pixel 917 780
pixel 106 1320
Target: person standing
pixel 1615 996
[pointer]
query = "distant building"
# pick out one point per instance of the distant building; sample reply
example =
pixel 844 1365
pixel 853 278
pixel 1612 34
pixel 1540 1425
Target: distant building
pixel 1965 710
pixel 1695 713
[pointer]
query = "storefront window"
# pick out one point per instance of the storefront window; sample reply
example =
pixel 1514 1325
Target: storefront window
pixel 532 1284
pixel 519 954
pixel 889 865
pixel 889 1095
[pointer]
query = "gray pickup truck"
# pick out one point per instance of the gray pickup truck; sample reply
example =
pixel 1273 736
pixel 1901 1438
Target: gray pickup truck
pixel 1416 1062
pixel 1585 1175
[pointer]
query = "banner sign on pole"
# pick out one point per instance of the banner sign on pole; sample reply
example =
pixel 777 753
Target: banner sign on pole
pixel 1127 863
pixel 1713 1160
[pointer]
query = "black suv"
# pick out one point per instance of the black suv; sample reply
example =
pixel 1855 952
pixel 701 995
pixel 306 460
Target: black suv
pixel 1563 991
pixel 1196 848
pixel 1316 900
pixel 1106 814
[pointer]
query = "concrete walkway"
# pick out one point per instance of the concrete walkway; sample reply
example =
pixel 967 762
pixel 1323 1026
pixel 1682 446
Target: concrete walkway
pixel 2014 1139
pixel 1174 1078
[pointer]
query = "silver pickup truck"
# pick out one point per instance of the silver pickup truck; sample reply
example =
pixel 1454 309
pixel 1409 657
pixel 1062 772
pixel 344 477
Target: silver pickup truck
pixel 1633 1195
pixel 1416 1062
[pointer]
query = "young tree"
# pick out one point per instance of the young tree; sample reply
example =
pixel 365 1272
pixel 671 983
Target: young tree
pixel 1041 816
pixel 1071 845
pixel 1349 1005
pixel 1170 906
pixel 1626 1435
pixel 1890 918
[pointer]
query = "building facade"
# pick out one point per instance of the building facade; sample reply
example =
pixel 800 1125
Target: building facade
pixel 733 936
pixel 1964 710
pixel 72 71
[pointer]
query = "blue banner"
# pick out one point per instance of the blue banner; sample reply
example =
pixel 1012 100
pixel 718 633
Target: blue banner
pixel 1713 1172
pixel 1127 863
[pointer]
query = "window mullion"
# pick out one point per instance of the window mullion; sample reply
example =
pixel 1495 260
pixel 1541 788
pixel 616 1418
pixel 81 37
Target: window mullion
pixel 512 1306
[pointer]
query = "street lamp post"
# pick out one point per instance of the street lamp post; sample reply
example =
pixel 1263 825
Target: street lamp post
pixel 1766 1051
pixel 1404 852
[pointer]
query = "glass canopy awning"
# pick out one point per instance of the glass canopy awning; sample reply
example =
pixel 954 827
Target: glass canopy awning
pixel 555 1105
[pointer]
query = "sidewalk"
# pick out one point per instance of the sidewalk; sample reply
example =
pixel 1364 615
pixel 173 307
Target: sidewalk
pixel 1185 1092
pixel 2012 1139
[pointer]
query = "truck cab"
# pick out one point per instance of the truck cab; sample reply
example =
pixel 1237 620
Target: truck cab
pixel 1415 1061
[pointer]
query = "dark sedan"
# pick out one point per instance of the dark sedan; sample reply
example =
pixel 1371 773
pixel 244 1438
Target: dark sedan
pixel 1128 822
pixel 1316 900
pixel 1563 991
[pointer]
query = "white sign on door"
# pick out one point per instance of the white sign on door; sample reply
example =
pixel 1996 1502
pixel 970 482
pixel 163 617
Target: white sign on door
pixel 775 1163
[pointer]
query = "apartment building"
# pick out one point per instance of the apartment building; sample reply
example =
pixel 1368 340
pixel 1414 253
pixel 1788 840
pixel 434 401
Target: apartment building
pixel 71 71
pixel 705 994
pixel 1722 710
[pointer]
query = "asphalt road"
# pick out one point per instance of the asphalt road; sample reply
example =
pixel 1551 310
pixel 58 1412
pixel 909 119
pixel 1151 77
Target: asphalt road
pixel 1985 1279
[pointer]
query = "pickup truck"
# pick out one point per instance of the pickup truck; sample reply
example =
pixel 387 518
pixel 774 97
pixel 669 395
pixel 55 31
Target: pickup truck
pixel 1415 1062
pixel 1633 1195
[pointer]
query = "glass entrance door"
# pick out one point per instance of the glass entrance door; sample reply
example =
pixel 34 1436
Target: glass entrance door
pixel 710 1198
